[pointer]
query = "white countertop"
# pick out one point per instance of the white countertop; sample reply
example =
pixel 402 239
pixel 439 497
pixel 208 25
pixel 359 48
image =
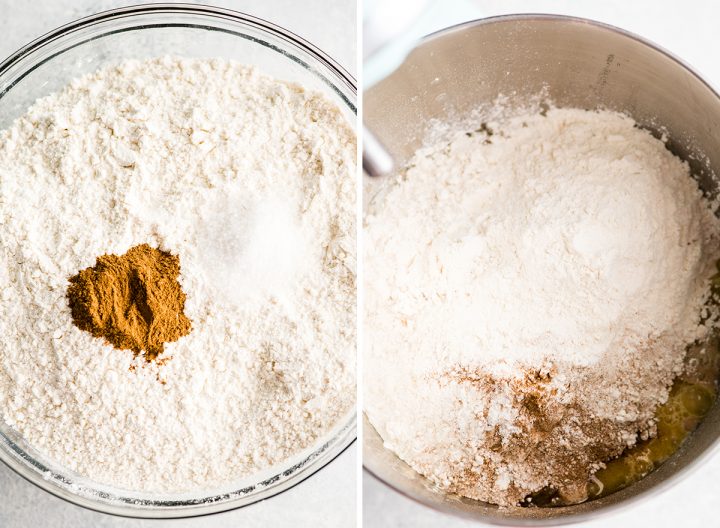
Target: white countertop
pixel 328 498
pixel 689 30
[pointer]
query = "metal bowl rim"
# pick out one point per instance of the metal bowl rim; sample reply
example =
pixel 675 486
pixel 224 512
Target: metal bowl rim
pixel 694 463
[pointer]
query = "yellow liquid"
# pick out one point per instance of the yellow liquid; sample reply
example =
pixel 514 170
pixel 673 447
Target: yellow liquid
pixel 685 408
pixel 691 397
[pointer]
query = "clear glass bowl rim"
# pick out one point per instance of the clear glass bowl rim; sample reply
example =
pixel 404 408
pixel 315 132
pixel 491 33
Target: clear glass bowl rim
pixel 333 443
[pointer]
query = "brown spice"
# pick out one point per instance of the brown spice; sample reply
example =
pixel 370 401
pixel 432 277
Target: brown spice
pixel 133 301
pixel 556 448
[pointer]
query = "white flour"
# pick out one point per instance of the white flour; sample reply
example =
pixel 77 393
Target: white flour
pixel 251 182
pixel 529 297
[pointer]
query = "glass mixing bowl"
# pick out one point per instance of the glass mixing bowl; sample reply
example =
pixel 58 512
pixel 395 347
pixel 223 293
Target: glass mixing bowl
pixel 48 64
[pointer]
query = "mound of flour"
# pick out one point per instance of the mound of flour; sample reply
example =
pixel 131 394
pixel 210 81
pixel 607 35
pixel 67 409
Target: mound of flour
pixel 251 182
pixel 531 289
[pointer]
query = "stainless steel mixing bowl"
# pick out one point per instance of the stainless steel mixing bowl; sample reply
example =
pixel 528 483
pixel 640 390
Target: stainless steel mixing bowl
pixel 580 63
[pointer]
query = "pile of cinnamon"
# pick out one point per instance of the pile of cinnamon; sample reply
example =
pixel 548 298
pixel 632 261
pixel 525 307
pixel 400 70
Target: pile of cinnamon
pixel 134 301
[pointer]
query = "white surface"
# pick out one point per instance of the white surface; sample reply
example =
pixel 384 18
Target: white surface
pixel 689 30
pixel 328 497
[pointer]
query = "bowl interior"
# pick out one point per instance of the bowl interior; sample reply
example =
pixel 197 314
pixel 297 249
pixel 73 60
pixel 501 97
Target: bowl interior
pixel 573 63
pixel 53 61
pixel 49 64
pixel 577 63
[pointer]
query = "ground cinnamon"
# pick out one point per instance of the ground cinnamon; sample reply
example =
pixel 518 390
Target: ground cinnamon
pixel 133 301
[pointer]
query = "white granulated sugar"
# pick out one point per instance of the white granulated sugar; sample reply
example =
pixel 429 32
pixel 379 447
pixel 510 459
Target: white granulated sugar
pixel 251 249
pixel 251 182
pixel 530 291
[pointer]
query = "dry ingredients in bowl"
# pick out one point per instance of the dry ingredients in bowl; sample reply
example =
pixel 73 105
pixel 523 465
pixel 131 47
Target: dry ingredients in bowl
pixel 193 209
pixel 532 288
